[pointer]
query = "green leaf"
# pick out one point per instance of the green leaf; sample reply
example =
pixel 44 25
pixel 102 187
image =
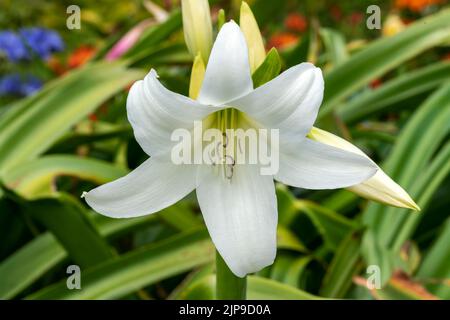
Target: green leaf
pixel 44 252
pixel 343 267
pixel 286 202
pixel 297 272
pixel 69 142
pixel 162 55
pixel 201 289
pixel 181 217
pixel 17 108
pixel 280 266
pixel 286 239
pixel 417 143
pixel 184 288
pixel 269 69
pixel 409 258
pixel 28 264
pixel 378 255
pixel 67 220
pixel 383 55
pixel 434 267
pixel 383 99
pixel 137 269
pixel 257 289
pixel 35 178
pixel 154 36
pixel 423 190
pixel 400 287
pixel 32 131
pixel 335 45
pixel 397 292
pixel 266 289
pixel 332 226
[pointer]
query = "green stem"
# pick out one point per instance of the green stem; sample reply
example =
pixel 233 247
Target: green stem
pixel 228 286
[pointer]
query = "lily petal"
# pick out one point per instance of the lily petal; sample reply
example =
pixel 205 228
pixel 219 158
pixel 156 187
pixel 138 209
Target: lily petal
pixel 241 216
pixel 314 165
pixel 383 189
pixel 155 112
pixel 228 72
pixel 151 187
pixel 290 102
pixel 380 187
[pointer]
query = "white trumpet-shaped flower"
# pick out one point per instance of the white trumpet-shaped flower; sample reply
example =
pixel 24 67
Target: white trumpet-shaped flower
pixel 240 213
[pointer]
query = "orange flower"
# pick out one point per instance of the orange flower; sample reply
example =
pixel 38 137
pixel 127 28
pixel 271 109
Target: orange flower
pixel 296 22
pixel 76 59
pixel 282 40
pixel 416 5
pixel 80 56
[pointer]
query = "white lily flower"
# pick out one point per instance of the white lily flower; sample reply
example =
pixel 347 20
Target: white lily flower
pixel 240 213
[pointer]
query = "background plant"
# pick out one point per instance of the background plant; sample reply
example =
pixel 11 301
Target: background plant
pixel 387 92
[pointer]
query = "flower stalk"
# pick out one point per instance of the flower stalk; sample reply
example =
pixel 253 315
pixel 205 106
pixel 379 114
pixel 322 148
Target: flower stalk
pixel 228 286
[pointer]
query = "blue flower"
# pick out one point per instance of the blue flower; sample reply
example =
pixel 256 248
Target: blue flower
pixel 42 41
pixel 10 85
pixel 12 46
pixel 15 85
pixel 30 85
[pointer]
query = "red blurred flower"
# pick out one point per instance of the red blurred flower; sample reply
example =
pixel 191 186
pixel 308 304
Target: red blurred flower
pixel 93 117
pixel 407 21
pixel 375 83
pixel 416 5
pixel 336 12
pixel 296 22
pixel 76 59
pixel 282 40
pixel 80 56
pixel 356 18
